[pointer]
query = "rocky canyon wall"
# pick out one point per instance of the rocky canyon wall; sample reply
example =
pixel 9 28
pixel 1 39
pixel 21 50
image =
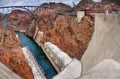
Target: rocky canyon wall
pixel 65 31
pixel 12 56
pixel 117 2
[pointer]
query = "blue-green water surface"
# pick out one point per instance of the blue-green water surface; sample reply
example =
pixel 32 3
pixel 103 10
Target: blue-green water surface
pixel 38 54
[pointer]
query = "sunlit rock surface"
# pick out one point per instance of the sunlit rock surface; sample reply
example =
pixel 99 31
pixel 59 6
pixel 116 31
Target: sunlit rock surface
pixel 12 56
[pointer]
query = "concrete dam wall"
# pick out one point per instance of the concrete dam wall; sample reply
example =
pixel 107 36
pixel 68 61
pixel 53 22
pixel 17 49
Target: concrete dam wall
pixel 105 42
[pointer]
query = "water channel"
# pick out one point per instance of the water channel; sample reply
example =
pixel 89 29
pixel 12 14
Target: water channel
pixel 38 54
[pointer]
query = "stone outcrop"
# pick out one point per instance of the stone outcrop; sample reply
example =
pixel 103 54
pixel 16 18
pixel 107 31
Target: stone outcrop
pixel 12 56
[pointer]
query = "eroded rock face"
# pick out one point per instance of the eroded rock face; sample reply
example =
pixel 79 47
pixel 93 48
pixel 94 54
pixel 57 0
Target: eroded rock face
pixel 52 5
pixel 31 28
pixel 117 2
pixel 102 7
pixel 19 19
pixel 96 7
pixel 65 32
pixel 83 4
pixel 12 56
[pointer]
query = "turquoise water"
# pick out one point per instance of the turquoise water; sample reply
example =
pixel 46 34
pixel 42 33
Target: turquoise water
pixel 38 54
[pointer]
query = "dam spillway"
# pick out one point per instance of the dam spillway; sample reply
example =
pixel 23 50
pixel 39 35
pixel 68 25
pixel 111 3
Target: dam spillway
pixel 38 54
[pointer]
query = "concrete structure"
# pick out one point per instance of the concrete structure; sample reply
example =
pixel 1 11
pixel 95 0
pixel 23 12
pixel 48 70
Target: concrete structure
pixel 36 69
pixel 39 36
pixel 6 73
pixel 36 32
pixel 105 44
pixel 22 31
pixel 2 36
pixel 19 30
pixel 107 69
pixel 72 71
pixel 70 68
pixel 80 14
pixel 49 57
pixel 60 57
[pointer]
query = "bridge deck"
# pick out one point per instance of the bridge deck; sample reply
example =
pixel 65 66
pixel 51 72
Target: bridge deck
pixel 5 9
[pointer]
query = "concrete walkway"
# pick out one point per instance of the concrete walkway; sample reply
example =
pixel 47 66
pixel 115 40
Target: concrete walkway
pixel 6 73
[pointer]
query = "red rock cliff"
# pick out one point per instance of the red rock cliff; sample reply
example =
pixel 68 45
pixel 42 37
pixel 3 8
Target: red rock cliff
pixel 19 19
pixel 12 56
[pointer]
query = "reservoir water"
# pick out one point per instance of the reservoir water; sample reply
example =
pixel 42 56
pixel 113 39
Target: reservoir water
pixel 38 54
